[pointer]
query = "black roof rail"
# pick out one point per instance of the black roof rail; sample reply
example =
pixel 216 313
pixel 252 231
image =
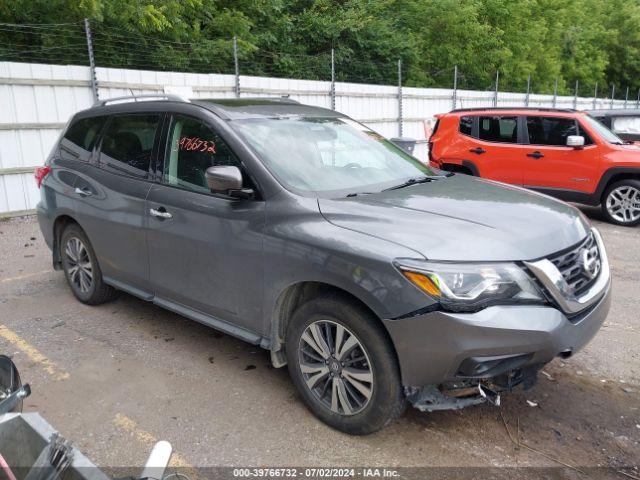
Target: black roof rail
pixel 540 109
pixel 135 98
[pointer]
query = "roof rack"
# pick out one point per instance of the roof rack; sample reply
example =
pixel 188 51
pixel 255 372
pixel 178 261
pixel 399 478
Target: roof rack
pixel 135 98
pixel 542 109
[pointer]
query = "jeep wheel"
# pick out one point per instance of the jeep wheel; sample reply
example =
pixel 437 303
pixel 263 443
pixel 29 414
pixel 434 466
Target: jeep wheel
pixel 81 268
pixel 621 203
pixel 343 365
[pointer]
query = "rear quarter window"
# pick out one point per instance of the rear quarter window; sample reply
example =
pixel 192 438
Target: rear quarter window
pixel 466 125
pixel 80 137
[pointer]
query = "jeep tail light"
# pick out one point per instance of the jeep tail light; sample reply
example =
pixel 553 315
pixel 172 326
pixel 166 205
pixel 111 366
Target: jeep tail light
pixel 40 173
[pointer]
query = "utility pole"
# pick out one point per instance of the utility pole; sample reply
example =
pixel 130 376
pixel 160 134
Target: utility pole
pixel 400 97
pixel 454 94
pixel 613 94
pixel 626 98
pixel 236 67
pixel 92 63
pixel 332 92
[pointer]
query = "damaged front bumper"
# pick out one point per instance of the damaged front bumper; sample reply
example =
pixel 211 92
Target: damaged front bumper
pixel 447 359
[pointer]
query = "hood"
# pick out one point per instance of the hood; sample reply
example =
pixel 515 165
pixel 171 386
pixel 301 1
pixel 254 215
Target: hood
pixel 462 218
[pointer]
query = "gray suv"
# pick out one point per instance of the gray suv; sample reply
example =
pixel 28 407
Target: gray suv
pixel 378 280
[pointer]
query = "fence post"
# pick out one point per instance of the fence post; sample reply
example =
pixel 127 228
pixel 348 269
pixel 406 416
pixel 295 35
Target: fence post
pixel 495 92
pixel 575 97
pixel 92 63
pixel 332 92
pixel 595 97
pixel 454 94
pixel 638 99
pixel 236 67
pixel 555 93
pixel 613 94
pixel 400 97
pixel 526 98
pixel 626 98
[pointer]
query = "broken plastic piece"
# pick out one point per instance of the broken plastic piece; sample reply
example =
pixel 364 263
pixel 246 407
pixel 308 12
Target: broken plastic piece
pixel 491 396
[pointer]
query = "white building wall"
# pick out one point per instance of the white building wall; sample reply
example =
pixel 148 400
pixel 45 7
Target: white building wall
pixel 36 101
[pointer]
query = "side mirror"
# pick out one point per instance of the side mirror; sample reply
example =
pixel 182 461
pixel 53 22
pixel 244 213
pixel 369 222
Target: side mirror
pixel 575 141
pixel 227 180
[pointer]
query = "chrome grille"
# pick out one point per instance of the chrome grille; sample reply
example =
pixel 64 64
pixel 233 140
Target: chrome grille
pixel 579 266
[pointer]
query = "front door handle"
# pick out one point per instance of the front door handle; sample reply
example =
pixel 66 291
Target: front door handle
pixel 535 154
pixel 477 150
pixel 160 213
pixel 83 192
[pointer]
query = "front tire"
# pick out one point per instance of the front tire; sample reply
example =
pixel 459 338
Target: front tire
pixel 342 363
pixel 621 203
pixel 81 268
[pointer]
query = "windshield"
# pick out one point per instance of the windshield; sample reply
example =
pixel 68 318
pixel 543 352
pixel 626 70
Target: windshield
pixel 603 131
pixel 329 155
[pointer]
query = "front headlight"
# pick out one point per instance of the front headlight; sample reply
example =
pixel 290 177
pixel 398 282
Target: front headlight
pixel 463 287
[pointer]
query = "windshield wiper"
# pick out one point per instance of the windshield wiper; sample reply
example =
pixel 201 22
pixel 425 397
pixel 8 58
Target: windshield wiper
pixel 415 181
pixel 355 194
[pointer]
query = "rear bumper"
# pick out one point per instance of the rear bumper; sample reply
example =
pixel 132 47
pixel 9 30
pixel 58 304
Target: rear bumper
pixel 439 346
pixel 45 221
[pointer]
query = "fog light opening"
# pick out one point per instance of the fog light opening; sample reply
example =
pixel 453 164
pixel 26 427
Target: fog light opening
pixel 565 354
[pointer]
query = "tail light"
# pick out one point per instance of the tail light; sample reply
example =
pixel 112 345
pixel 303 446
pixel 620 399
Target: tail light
pixel 40 173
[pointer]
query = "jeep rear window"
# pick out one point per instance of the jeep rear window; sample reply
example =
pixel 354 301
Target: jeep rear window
pixel 499 129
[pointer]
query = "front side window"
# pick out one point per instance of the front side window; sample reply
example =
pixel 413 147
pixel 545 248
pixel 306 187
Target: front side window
pixel 128 143
pixel 499 129
pixel 192 148
pixel 328 156
pixel 550 130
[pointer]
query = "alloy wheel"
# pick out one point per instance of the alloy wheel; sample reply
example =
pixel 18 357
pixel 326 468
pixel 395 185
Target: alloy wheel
pixel 623 204
pixel 79 265
pixel 336 367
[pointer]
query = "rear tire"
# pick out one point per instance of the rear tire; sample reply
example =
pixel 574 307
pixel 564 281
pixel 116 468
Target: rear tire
pixel 81 268
pixel 355 385
pixel 621 203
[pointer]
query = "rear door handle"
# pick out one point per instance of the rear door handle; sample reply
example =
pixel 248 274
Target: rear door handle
pixel 478 150
pixel 535 154
pixel 160 213
pixel 83 192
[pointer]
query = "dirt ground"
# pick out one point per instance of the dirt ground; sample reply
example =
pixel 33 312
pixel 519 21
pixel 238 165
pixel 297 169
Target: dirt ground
pixel 116 377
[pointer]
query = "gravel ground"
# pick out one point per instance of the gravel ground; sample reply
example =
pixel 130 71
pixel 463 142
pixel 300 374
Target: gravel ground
pixel 116 377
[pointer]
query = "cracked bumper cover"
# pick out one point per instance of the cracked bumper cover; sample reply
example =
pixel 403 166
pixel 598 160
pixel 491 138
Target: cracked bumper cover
pixel 432 347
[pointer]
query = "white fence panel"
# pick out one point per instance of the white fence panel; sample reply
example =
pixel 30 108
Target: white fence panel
pixel 36 100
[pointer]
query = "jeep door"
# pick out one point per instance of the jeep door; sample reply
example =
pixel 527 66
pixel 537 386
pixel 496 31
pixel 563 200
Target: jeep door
pixel 551 164
pixel 205 250
pixel 111 195
pixel 493 146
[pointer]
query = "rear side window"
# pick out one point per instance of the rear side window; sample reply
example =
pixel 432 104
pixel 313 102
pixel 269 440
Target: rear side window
pixel 128 142
pixel 83 133
pixel 466 125
pixel 499 129
pixel 193 147
pixel 550 130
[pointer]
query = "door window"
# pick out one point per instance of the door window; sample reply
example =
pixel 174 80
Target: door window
pixel 499 129
pixel 192 148
pixel 550 130
pixel 128 143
